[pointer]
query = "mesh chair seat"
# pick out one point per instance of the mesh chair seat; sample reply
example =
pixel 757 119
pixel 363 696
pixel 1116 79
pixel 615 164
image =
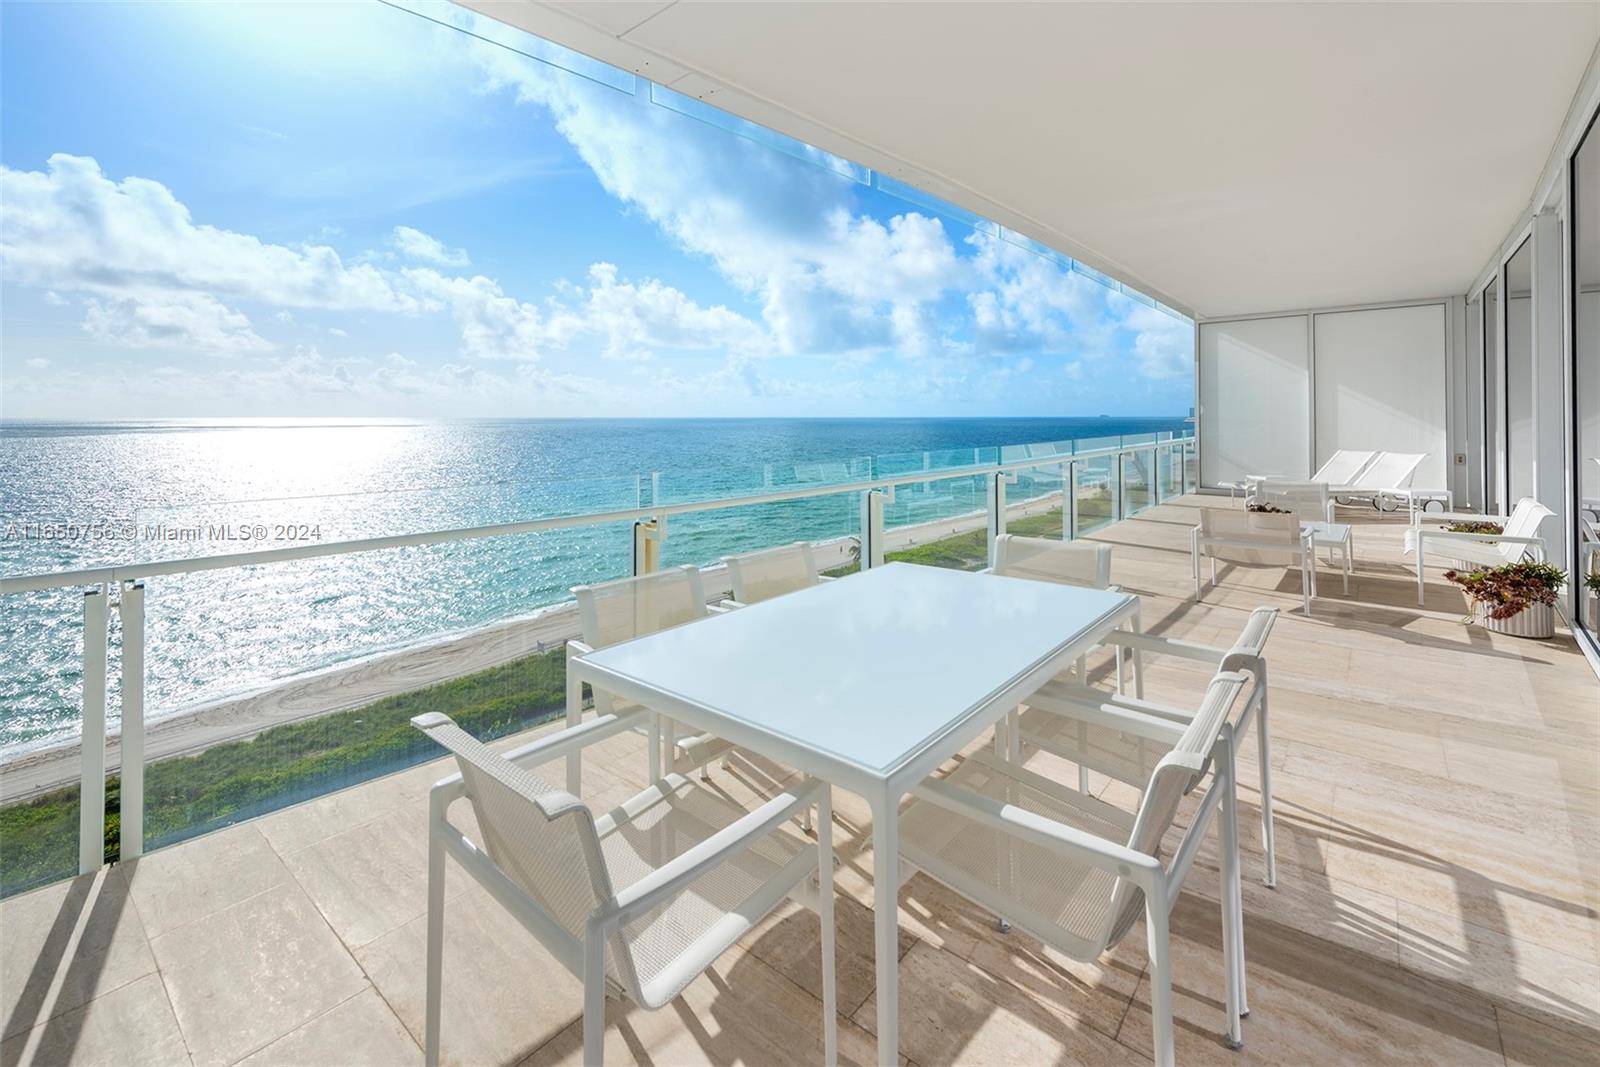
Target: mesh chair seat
pixel 1113 753
pixel 659 825
pixel 1058 898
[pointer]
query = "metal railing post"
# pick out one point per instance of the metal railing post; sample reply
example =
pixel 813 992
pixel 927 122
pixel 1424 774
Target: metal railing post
pixel 1069 506
pixel 1117 488
pixel 647 538
pixel 92 748
pixel 997 509
pixel 131 609
pixel 1153 477
pixel 871 529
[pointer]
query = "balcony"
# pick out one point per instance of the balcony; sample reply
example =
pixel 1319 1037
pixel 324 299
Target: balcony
pixel 1437 899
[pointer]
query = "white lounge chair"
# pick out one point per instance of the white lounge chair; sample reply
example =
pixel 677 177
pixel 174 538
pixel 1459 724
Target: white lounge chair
pixel 1074 871
pixel 1341 468
pixel 639 900
pixel 1519 539
pixel 1254 538
pixel 620 610
pixel 759 576
pixel 1381 481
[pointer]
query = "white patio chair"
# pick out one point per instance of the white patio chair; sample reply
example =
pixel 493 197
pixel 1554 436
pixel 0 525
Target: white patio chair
pixel 1309 500
pixel 1342 468
pixel 1074 871
pixel 1313 505
pixel 1519 540
pixel 1077 722
pixel 1081 563
pixel 1254 538
pixel 620 610
pixel 636 902
pixel 1380 481
pixel 759 576
pixel 1085 563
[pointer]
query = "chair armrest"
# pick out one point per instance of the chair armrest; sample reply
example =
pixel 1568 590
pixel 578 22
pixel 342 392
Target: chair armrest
pixel 575 738
pixel 1157 724
pixel 1458 516
pixel 1047 833
pixel 1446 535
pixel 722 607
pixel 578 648
pixel 1166 646
pixel 676 874
pixel 826 578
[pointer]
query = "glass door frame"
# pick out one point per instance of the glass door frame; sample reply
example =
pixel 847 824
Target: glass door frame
pixel 1573 408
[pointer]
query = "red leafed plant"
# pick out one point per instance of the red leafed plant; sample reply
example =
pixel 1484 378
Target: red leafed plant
pixel 1266 509
pixel 1476 527
pixel 1506 591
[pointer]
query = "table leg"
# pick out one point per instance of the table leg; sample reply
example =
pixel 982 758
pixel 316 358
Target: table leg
pixel 886 925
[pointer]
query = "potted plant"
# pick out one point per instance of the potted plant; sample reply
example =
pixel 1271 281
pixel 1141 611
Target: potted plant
pixel 1517 599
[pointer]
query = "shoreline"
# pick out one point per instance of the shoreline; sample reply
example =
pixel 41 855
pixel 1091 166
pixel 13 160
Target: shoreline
pixel 341 687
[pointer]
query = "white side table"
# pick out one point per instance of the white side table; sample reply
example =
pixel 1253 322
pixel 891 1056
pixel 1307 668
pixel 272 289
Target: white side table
pixel 1331 535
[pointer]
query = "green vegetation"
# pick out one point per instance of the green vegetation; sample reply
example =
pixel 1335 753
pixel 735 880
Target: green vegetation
pixel 189 795
pixel 970 551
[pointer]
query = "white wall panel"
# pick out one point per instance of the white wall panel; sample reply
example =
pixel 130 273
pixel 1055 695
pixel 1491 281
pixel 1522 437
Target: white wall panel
pixel 1255 400
pixel 1380 384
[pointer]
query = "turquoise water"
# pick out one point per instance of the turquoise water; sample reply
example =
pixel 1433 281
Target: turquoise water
pixel 76 495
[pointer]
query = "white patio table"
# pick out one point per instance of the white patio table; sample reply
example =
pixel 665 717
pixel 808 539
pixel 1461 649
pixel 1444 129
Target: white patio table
pixel 869 683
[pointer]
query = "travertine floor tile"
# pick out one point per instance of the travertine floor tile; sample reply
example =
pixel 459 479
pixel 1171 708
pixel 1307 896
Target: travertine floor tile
pixel 187 882
pixel 361 1032
pixel 129 1025
pixel 66 944
pixel 251 973
pixel 504 996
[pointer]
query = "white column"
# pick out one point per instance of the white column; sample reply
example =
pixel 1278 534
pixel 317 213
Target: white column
pixel 1550 414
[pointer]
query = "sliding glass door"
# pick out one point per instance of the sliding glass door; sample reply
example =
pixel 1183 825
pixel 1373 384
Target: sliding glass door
pixel 1584 209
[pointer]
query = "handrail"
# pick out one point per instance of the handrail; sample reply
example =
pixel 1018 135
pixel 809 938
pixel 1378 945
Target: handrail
pixel 28 583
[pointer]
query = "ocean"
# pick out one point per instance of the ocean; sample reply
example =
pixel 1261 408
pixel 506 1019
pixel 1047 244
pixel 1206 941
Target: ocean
pixel 76 495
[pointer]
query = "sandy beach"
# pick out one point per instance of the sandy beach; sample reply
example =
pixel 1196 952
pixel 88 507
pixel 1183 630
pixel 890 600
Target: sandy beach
pixel 352 685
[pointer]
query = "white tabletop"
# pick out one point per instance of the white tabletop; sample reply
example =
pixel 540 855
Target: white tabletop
pixel 868 669
pixel 1328 533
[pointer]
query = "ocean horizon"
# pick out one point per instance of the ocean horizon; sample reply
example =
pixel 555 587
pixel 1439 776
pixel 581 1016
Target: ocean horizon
pixel 97 493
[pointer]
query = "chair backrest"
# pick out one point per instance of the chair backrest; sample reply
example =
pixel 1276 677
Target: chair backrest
pixel 1178 772
pixel 1343 467
pixel 1048 560
pixel 542 838
pixel 759 576
pixel 1308 500
pixel 1259 537
pixel 1391 470
pixel 1524 521
pixel 620 610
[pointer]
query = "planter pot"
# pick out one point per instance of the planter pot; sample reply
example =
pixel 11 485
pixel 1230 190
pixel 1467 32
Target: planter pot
pixel 1535 620
pixel 1592 610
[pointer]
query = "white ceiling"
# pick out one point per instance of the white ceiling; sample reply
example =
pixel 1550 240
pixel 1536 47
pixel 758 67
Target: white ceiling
pixel 1225 158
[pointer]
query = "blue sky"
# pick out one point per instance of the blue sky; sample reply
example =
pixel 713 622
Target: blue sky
pixel 347 209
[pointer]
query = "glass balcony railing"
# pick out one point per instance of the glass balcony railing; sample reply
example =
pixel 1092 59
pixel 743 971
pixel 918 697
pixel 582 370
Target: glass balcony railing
pixel 241 684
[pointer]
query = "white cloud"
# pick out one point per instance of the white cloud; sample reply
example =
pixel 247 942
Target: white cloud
pixel 337 332
pixel 1164 345
pixel 71 227
pixel 182 320
pixel 36 363
pixel 782 230
pixel 414 244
